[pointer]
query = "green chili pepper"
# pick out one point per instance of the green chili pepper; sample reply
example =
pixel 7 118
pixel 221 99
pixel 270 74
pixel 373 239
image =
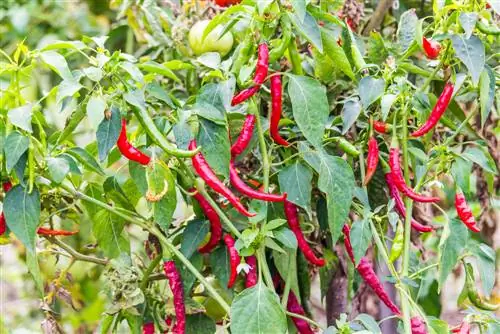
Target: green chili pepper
pixel 245 51
pixel 488 30
pixel 295 58
pixel 279 51
pixel 472 292
pixel 397 243
pixel 347 147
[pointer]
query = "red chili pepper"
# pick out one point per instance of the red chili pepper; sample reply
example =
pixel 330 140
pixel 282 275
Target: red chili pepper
pixel 207 174
pixel 234 259
pixel 276 106
pixel 129 151
pixel 243 188
pixel 291 214
pixel 464 212
pixel 48 231
pixel 399 181
pixel 488 6
pixel 431 48
pixel 175 283
pixel 3 223
pixel 245 136
pixel 262 64
pixel 294 306
pixel 371 160
pixel 213 218
pixel 148 328
pixel 365 269
pixel 418 326
pixel 400 207
pixel 381 127
pixel 252 277
pixel 244 95
pixel 438 111
pixel 463 328
pixel 7 185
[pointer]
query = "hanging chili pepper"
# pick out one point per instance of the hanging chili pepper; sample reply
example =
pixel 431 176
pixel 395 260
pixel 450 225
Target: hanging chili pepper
pixel 463 328
pixel 346 146
pixel 3 223
pixel 234 259
pixel 252 277
pixel 175 283
pixel 472 292
pixel 276 105
pixel 381 127
pixel 397 243
pixel 207 174
pixel 50 232
pixel 399 205
pixel 431 48
pixel 291 214
pixel 245 136
pixel 371 160
pixel 399 181
pixel 464 212
pixel 487 29
pixel 418 326
pixel 262 64
pixel 129 151
pixel 148 328
pixel 213 218
pixel 294 306
pixel 365 269
pixel 438 111
pixel 278 52
pixel 243 188
pixel 244 95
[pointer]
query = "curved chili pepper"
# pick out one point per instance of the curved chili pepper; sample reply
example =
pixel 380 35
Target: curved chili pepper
pixel 252 277
pixel 48 231
pixel 234 259
pixel 294 306
pixel 400 207
pixel 365 269
pixel 438 111
pixel 381 127
pixel 276 106
pixel 431 48
pixel 213 218
pixel 464 212
pixel 291 214
pixel 207 174
pixel 245 136
pixel 243 188
pixel 148 328
pixel 175 283
pixel 371 160
pixel 472 292
pixel 244 95
pixel 399 181
pixel 3 223
pixel 262 64
pixel 129 151
pixel 463 328
pixel 418 326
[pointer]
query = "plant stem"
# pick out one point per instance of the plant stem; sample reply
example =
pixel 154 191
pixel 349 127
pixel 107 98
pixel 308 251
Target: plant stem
pixel 418 272
pixel 383 250
pixel 263 151
pixel 74 254
pixel 288 279
pixel 299 316
pixel 261 258
pixel 148 271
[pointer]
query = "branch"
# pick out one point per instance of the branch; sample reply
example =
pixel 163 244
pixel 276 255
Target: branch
pixel 76 255
pixel 378 16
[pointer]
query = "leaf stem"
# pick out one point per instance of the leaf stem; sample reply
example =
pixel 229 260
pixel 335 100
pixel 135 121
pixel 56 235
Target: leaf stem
pixel 74 254
pixel 148 271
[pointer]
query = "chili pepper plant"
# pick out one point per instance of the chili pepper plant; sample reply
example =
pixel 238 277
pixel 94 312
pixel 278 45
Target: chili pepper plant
pixel 252 166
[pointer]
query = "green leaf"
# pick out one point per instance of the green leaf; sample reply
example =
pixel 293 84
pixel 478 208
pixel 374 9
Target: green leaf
pixel 66 89
pixel 95 110
pixel 22 214
pixel 86 160
pixel 287 268
pixel 93 73
pixel 370 90
pixel 296 181
pixel 336 53
pixel 107 133
pixel 154 67
pixel 163 210
pixel 215 146
pixel 156 91
pixel 213 100
pixel 34 269
pixel 407 28
pixel 257 310
pixel 219 262
pixel 471 52
pixel 350 113
pixel 486 92
pixel 21 117
pixel 486 259
pixel 482 157
pixel 57 63
pixel 386 104
pixel 108 230
pixel 310 107
pixel 453 241
pixel 71 123
pixel 58 169
pixel 468 22
pixel 309 28
pixel 199 323
pixel 262 5
pixel 114 192
pixel 15 146
pixel 286 237
pixel 193 235
pixel 188 279
pixel 461 170
pixel 299 6
pixel 75 45
pixel 368 322
pixel 360 238
pixel 133 70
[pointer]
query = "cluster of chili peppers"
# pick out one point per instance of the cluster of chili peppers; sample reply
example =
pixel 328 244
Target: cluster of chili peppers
pixel 175 283
pixel 464 212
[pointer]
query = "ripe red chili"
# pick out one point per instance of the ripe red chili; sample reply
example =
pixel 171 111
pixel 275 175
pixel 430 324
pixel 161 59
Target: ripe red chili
pixel 213 218
pixel 399 181
pixel 252 277
pixel 291 214
pixel 234 259
pixel 207 174
pixel 244 95
pixel 365 269
pixel 400 207
pixel 371 160
pixel 294 306
pixel 148 328
pixel 276 106
pixel 3 224
pixel 50 232
pixel 129 151
pixel 175 283
pixel 227 3
pixel 381 127
pixel 431 48
pixel 438 111
pixel 464 212
pixel 418 326
pixel 262 64
pixel 245 136
pixel 243 188
pixel 464 328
